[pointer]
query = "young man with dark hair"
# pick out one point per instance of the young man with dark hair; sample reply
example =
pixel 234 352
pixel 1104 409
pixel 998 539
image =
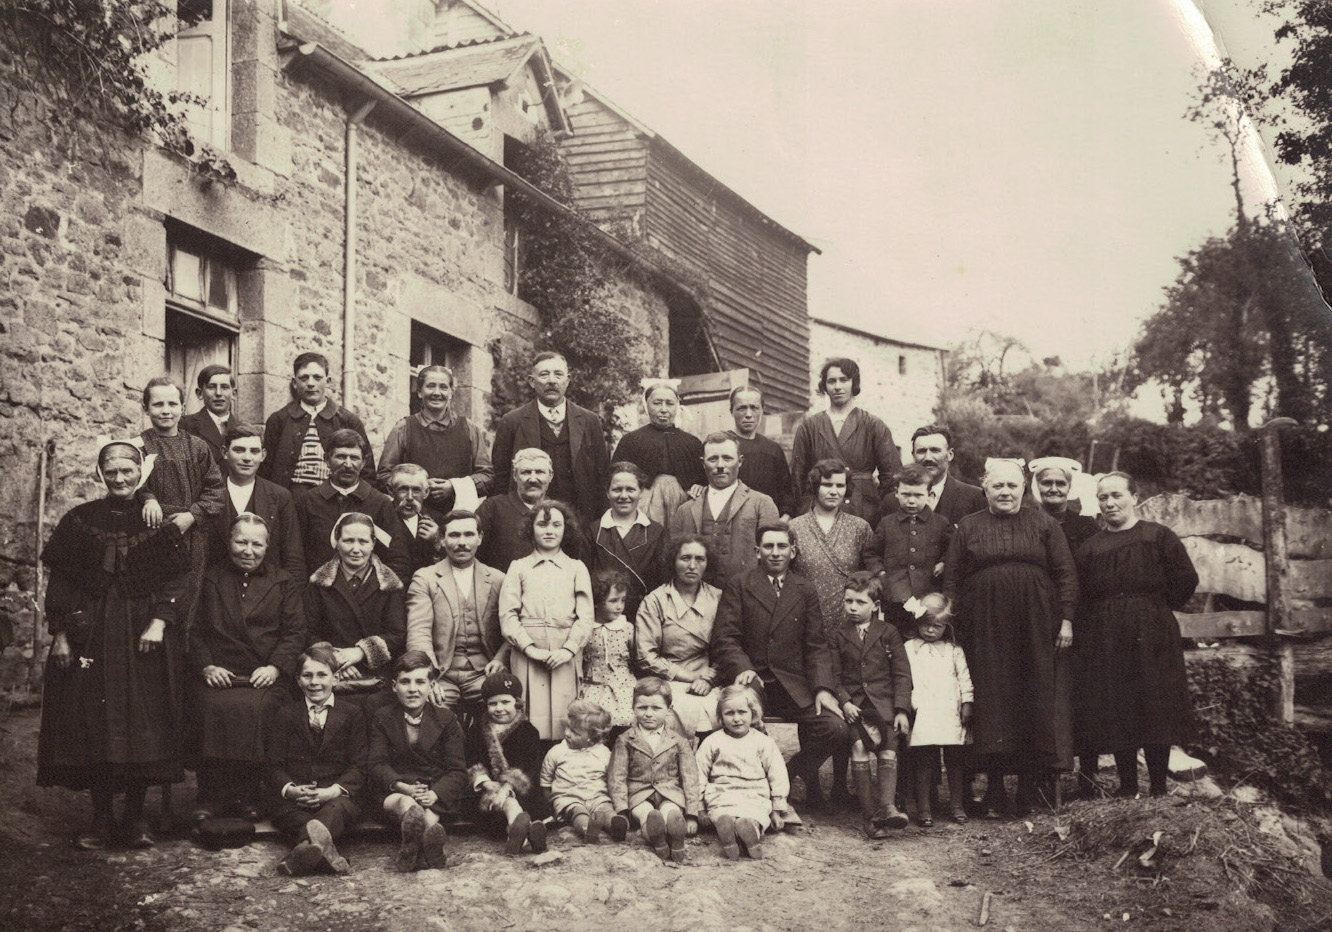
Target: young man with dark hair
pixel 216 388
pixel 296 437
pixel 242 456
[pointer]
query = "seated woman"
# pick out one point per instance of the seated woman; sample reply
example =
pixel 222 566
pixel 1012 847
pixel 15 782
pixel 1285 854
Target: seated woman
pixel 115 598
pixel 628 541
pixel 243 650
pixel 358 606
pixel 674 627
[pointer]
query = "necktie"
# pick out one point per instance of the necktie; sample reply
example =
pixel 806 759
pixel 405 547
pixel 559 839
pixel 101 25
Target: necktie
pixel 861 629
pixel 777 583
pixel 316 727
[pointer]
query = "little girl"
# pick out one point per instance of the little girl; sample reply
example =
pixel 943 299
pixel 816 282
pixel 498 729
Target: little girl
pixel 573 776
pixel 505 754
pixel 941 696
pixel 653 775
pixel 745 783
pixel 606 677
pixel 545 607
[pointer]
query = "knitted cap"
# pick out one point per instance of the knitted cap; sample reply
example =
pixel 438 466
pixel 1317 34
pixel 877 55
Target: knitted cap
pixel 502 683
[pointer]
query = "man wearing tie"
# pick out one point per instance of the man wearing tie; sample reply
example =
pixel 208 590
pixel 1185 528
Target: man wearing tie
pixel 217 390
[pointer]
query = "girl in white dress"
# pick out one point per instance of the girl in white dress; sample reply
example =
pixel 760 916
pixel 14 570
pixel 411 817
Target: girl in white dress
pixel 941 696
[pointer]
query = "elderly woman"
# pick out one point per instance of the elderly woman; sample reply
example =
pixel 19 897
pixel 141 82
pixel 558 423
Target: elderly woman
pixel 358 606
pixel 628 541
pixel 1051 487
pixel 114 605
pixel 671 458
pixel 243 650
pixel 674 628
pixel 847 433
pixel 1130 685
pixel 1014 589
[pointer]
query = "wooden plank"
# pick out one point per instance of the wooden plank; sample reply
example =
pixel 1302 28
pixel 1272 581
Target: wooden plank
pixel 1228 569
pixel 1312 658
pixel 1308 530
pixel 1208 625
pixel 1313 718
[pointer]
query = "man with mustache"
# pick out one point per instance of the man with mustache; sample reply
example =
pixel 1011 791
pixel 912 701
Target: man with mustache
pixel 729 511
pixel 409 484
pixel 445 444
pixel 502 517
pixel 453 614
pixel 932 447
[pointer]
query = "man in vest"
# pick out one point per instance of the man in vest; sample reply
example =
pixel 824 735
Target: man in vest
pixel 729 511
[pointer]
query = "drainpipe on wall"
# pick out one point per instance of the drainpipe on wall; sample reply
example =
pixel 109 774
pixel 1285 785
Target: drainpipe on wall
pixel 349 253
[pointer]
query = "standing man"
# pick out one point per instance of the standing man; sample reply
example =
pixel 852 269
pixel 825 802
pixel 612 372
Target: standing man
pixel 216 388
pixel 247 492
pixel 729 511
pixel 571 436
pixel 296 437
pixel 932 447
pixel 345 489
pixel 502 517
pixel 410 487
pixel 762 461
pixel 453 615
pixel 447 445
pixel 769 636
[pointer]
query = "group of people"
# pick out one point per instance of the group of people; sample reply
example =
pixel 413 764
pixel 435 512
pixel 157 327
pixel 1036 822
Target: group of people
pixel 595 643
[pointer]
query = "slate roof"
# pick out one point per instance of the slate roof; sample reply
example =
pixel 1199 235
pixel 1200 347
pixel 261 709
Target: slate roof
pixel 449 69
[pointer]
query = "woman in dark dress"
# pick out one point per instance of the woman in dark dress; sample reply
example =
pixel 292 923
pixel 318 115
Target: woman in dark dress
pixel 1131 687
pixel 627 540
pixel 1013 583
pixel 244 647
pixel 358 606
pixel 110 701
pixel 672 458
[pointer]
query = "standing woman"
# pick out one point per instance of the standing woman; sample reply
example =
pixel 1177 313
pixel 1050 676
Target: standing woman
pixel 628 541
pixel 830 541
pixel 672 458
pixel 114 607
pixel 1131 687
pixel 1012 581
pixel 847 433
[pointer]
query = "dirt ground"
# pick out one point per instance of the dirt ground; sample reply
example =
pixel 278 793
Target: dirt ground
pixel 825 877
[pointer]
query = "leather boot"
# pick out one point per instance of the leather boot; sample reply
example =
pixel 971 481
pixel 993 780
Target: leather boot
pixel 889 815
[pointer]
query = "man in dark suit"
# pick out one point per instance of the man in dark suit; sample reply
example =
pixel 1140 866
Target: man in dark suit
pixel 932 447
pixel 571 436
pixel 217 390
pixel 769 636
pixel 245 491
pixel 502 518
pixel 409 484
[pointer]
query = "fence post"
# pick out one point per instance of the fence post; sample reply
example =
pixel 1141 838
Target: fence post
pixel 1277 562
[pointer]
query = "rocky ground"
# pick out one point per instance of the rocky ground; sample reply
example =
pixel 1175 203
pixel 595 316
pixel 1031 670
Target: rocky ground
pixel 825 876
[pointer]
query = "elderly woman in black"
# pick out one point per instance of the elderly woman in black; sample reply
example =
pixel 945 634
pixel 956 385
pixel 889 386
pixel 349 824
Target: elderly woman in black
pixel 1130 686
pixel 1014 587
pixel 110 703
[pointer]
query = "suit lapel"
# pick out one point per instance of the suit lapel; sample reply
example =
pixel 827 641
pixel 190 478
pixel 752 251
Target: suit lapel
pixel 850 428
pixel 823 423
pixel 760 586
pixel 430 730
pixel 531 427
pixel 574 421
pixel 448 584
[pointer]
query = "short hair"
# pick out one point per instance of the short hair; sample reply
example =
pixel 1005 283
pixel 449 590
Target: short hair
pixel 720 436
pixel 866 582
pixel 240 432
pixel 912 474
pixel 825 469
pixel 849 367
pixel 766 527
pixel 408 469
pixel 305 359
pixel 250 518
pixel 343 439
pixel 458 514
pixel 588 718
pixel 533 453
pixel 421 376
pixel 161 381
pixel 654 686
pixel 932 429
pixel 711 573
pixel 548 354
pixel 604 582
pixel 744 388
pixel 735 691
pixel 1129 481
pixel 413 660
pixel 207 373
pixel 647 392
pixel 319 653
pixel 572 545
pixel 632 469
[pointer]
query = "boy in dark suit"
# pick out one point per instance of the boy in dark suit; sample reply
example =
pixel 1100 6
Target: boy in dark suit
pixel 909 545
pixel 315 751
pixel 874 687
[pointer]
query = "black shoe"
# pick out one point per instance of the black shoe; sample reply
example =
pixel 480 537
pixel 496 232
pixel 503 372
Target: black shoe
pixel 138 835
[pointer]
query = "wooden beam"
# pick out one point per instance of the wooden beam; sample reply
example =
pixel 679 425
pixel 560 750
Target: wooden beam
pixel 1278 562
pixel 1242 517
pixel 1241 572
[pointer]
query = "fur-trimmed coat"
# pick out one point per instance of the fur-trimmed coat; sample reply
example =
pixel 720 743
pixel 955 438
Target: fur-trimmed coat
pixel 510 756
pixel 373 617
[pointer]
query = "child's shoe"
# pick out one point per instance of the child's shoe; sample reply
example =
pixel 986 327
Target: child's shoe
pixel 518 830
pixel 301 860
pixel 319 836
pixel 432 846
pixel 675 836
pixel 409 851
pixel 750 835
pixel 654 827
pixel 619 828
pixel 595 823
pixel 726 835
pixel 536 836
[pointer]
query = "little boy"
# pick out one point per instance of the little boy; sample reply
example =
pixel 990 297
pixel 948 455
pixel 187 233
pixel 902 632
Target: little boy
pixel 909 544
pixel 505 752
pixel 573 776
pixel 315 753
pixel 873 677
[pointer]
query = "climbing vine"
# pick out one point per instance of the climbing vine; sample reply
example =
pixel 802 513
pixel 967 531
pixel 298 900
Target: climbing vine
pixel 77 63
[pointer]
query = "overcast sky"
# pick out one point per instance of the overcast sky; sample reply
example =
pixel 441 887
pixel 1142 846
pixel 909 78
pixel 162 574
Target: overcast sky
pixel 1020 165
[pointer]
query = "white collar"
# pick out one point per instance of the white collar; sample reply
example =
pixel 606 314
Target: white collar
pixel 312 708
pixel 221 422
pixel 556 413
pixel 341 491
pixel 559 558
pixel 719 497
pixel 937 489
pixel 708 595
pixel 412 522
pixel 615 624
pixel 313 412
pixel 608 519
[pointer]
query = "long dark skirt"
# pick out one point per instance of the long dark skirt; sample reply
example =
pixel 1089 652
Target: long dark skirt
pixel 1132 688
pixel 230 721
pixel 112 717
